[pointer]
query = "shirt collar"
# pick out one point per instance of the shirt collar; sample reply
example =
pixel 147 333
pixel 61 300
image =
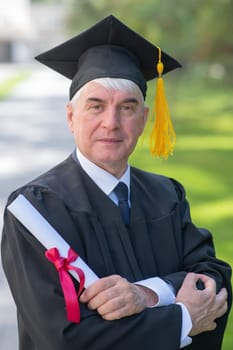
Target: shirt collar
pixel 104 180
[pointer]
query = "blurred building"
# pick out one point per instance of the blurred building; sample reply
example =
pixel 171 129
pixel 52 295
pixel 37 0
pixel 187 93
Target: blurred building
pixel 16 30
pixel 26 28
pixel 49 20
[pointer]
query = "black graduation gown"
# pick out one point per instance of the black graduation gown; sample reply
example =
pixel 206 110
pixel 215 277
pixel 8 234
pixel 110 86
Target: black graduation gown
pixel 160 241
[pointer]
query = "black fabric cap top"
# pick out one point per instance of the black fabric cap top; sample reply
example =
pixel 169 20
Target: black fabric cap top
pixel 107 49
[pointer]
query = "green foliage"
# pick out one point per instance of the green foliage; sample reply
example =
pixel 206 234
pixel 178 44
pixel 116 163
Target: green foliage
pixel 193 30
pixel 6 86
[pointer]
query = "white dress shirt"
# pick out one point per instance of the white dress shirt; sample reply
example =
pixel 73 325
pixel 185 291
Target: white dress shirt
pixel 107 182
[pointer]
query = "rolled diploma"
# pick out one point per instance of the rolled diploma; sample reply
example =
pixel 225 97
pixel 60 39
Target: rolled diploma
pixel 30 217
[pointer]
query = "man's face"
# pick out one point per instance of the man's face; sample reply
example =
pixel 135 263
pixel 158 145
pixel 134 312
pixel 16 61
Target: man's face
pixel 106 125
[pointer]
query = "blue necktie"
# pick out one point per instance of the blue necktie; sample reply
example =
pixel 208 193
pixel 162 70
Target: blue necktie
pixel 121 191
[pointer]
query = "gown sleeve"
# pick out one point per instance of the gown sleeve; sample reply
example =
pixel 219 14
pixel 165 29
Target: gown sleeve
pixel 199 257
pixel 198 252
pixel 41 313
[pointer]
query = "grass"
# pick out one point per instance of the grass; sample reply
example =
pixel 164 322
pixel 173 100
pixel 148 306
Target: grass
pixel 202 161
pixel 6 86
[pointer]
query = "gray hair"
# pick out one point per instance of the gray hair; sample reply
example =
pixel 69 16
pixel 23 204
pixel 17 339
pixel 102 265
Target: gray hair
pixel 123 85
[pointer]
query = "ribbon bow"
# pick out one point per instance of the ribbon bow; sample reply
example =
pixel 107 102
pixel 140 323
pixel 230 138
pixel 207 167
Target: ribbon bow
pixel 63 265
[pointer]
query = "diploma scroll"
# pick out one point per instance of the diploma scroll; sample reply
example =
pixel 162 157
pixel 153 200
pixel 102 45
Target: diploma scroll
pixel 30 217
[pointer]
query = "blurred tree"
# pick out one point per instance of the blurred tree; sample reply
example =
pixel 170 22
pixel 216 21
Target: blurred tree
pixel 46 1
pixel 196 30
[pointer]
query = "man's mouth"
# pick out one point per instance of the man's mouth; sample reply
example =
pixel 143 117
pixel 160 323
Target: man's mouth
pixel 110 140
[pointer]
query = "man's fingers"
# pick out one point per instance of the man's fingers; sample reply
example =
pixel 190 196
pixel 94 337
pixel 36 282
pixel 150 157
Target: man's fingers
pixel 192 278
pixel 222 295
pixel 221 303
pixel 118 312
pixel 102 298
pixel 212 326
pixel 222 310
pixel 114 297
pixel 111 306
pixel 115 315
pixel 209 283
pixel 99 286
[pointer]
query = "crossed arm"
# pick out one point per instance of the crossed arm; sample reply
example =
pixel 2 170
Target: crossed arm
pixel 114 297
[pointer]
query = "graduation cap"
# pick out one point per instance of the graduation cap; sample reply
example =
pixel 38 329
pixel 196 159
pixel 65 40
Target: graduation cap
pixel 111 49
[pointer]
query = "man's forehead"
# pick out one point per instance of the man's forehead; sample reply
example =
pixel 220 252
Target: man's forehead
pixel 95 90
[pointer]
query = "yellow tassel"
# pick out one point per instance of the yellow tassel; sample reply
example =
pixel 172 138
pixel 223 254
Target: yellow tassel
pixel 163 137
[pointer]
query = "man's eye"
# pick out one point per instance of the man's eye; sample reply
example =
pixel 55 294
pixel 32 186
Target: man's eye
pixel 128 108
pixel 97 108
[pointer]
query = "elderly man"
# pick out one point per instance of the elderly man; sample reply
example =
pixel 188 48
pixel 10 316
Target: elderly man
pixel 160 285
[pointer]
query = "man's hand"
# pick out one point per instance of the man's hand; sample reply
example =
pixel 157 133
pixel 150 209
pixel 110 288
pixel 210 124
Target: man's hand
pixel 114 297
pixel 204 305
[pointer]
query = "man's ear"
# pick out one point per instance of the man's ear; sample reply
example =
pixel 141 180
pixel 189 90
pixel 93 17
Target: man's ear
pixel 69 116
pixel 145 117
pixel 146 113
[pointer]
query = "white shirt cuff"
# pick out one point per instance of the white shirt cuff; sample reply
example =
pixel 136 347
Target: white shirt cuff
pixel 186 326
pixel 161 288
pixel 166 297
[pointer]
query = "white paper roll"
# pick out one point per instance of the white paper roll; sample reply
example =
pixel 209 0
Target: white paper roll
pixel 30 217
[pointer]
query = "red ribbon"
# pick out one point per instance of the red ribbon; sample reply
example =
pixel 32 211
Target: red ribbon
pixel 63 265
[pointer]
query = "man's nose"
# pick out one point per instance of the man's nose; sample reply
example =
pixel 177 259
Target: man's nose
pixel 111 118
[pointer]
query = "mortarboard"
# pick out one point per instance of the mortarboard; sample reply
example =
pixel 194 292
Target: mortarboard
pixel 111 49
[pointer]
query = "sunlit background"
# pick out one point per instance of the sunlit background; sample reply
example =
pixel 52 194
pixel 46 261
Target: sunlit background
pixel 33 132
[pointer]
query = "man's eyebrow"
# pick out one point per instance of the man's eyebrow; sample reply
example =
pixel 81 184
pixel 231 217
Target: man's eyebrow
pixel 94 99
pixel 126 100
pixel 130 100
